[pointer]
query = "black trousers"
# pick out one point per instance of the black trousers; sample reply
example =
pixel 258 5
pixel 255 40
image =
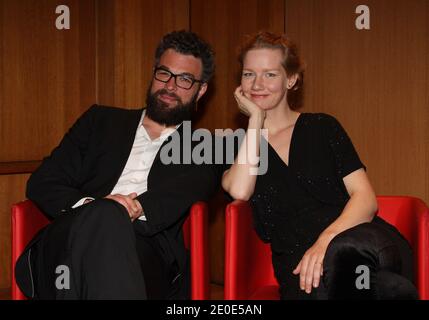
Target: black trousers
pixel 375 250
pixel 94 252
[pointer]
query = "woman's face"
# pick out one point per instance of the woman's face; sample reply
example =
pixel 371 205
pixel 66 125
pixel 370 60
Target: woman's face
pixel 264 80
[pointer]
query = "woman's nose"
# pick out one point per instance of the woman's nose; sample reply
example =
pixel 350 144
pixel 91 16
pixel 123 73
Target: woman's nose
pixel 258 83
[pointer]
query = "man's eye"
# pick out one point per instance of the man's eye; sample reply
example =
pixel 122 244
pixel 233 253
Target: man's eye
pixel 163 73
pixel 185 79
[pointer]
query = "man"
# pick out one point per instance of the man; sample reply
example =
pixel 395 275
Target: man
pixel 118 209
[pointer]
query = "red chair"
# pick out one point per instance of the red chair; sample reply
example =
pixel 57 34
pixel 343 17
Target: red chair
pixel 27 220
pixel 249 273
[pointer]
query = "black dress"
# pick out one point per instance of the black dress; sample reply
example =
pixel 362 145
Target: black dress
pixel 292 204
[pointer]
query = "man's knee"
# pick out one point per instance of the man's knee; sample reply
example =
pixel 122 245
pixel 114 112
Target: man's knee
pixel 106 214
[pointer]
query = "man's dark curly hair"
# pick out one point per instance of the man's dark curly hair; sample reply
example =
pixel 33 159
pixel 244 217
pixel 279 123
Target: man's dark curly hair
pixel 188 43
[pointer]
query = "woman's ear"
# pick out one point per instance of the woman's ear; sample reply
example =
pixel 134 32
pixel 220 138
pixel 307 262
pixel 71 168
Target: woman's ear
pixel 292 80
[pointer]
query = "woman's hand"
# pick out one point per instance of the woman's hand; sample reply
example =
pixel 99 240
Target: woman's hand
pixel 310 268
pixel 246 106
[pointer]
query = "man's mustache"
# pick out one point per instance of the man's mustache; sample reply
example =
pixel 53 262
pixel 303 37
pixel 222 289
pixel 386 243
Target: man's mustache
pixel 169 94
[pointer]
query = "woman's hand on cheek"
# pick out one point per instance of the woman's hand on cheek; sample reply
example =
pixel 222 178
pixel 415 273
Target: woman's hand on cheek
pixel 246 106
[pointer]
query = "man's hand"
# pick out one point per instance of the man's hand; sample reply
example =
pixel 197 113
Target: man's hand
pixel 132 205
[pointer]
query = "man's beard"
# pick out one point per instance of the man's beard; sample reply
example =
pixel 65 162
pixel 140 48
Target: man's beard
pixel 160 112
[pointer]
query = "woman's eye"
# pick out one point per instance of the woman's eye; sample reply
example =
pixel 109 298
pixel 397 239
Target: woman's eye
pixel 271 75
pixel 247 74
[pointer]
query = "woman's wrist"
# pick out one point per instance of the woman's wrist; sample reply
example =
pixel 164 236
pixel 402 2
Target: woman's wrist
pixel 256 120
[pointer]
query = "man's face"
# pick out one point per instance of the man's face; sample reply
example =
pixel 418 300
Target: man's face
pixel 168 103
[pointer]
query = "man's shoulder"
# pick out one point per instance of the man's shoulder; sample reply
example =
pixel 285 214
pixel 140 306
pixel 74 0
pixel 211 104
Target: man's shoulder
pixel 99 108
pixel 102 113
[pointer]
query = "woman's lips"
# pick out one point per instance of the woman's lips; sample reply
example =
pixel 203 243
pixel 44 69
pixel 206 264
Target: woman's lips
pixel 258 96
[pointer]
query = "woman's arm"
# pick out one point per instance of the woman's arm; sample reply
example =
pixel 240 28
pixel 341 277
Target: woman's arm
pixel 239 180
pixel 360 208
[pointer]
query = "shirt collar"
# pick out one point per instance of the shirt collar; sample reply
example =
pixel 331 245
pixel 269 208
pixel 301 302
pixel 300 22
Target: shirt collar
pixel 165 133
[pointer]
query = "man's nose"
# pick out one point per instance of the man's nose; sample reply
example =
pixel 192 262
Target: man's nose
pixel 170 85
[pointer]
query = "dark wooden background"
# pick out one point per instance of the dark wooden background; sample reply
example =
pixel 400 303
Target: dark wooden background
pixel 374 81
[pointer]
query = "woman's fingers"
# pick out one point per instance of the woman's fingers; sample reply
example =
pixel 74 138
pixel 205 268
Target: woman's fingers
pixel 297 269
pixel 318 271
pixel 310 270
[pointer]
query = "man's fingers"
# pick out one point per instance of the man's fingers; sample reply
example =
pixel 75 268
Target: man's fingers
pixel 123 200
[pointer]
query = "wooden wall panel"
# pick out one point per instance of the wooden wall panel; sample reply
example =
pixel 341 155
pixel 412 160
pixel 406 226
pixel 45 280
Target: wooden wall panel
pixel 47 79
pixel 47 75
pixel 223 24
pixel 128 32
pixel 12 190
pixel 374 81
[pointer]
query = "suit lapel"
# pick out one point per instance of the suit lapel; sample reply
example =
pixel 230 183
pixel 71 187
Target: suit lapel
pixel 124 139
pixel 160 170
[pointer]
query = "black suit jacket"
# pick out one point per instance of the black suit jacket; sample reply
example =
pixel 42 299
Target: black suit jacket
pixel 90 159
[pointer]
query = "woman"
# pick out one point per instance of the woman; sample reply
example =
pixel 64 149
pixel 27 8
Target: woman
pixel 315 204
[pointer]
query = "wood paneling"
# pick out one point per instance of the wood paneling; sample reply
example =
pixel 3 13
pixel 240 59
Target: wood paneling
pixel 47 79
pixel 128 32
pixel 47 75
pixel 374 81
pixel 12 189
pixel 223 24
pixel 18 167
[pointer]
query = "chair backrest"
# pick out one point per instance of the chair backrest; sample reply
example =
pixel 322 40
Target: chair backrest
pixel 27 220
pixel 411 217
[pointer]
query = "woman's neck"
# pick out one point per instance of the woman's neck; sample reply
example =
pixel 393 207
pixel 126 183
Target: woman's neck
pixel 280 118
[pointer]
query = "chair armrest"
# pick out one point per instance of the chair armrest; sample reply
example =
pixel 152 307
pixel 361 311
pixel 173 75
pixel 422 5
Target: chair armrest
pixel 422 250
pixel 238 232
pixel 27 220
pixel 198 246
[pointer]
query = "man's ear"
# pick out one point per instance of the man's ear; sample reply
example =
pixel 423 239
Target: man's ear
pixel 202 90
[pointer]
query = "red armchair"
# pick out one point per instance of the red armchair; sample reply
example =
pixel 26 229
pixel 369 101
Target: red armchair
pixel 248 269
pixel 27 220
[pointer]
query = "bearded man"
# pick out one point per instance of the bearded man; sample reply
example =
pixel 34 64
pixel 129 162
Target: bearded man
pixel 117 209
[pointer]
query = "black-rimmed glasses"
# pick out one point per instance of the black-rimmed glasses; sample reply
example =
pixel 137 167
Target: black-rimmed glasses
pixel 183 81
